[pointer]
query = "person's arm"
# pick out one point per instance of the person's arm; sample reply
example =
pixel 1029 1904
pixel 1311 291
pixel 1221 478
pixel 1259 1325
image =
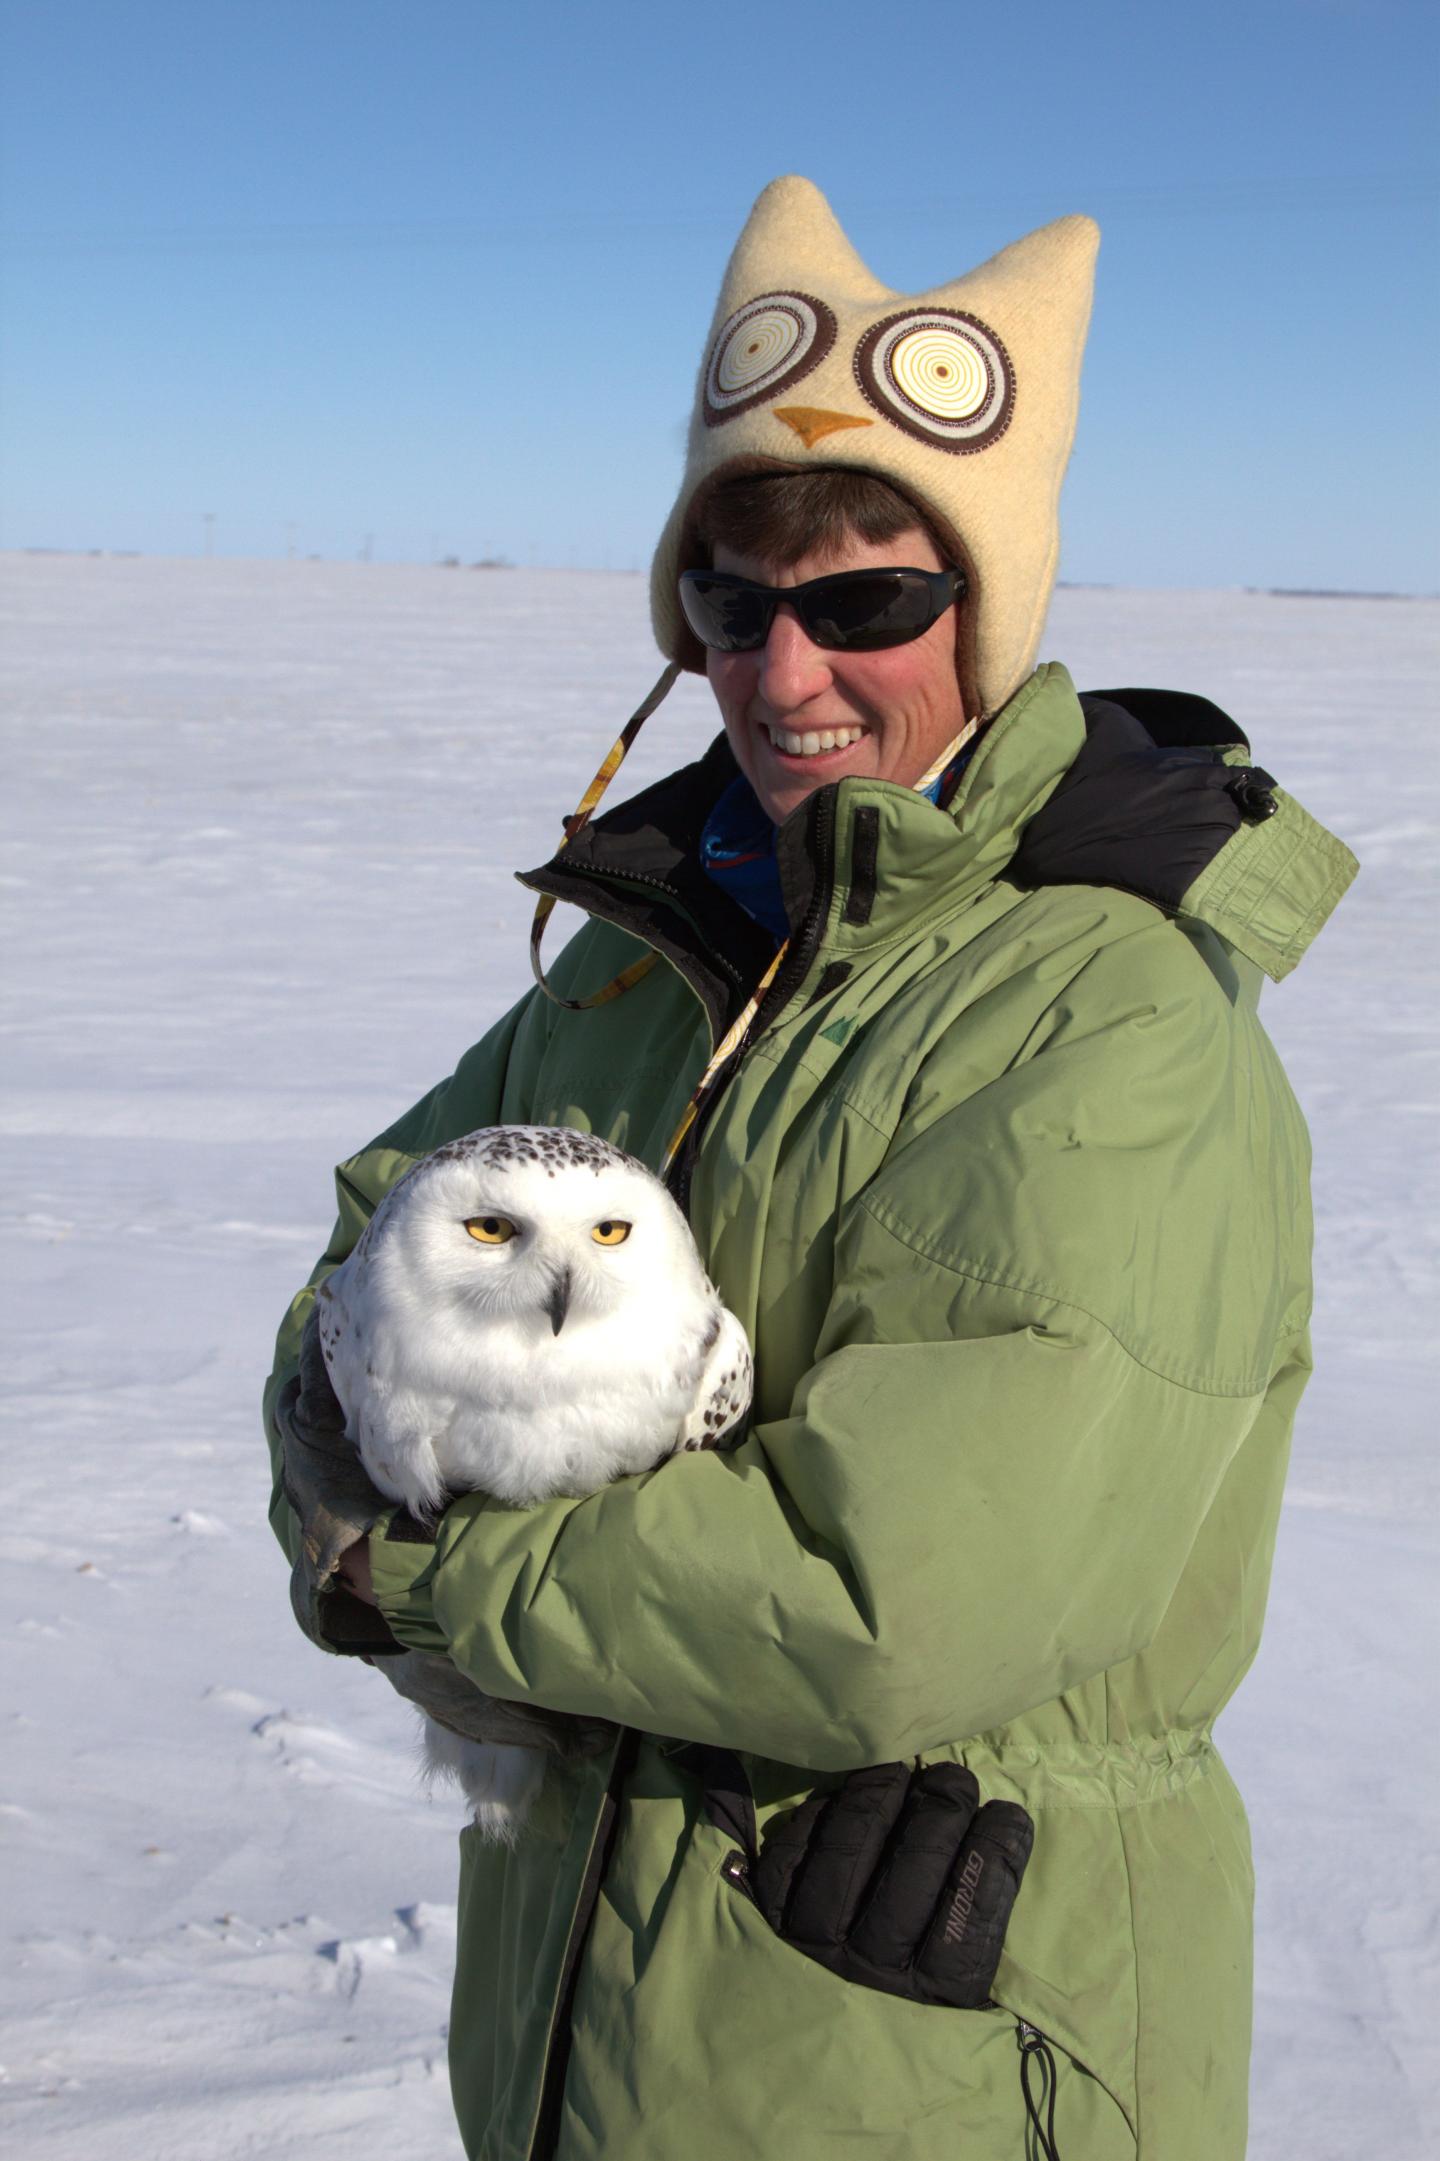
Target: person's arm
pixel 1052 1325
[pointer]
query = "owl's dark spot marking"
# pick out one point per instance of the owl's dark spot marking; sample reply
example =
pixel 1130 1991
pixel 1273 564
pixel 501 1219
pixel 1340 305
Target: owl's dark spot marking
pixel 562 1147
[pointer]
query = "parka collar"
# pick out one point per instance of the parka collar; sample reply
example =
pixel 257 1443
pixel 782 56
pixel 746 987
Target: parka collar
pixel 1150 791
pixel 899 858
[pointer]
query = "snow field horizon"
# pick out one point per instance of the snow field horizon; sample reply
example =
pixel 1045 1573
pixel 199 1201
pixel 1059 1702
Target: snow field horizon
pixel 260 836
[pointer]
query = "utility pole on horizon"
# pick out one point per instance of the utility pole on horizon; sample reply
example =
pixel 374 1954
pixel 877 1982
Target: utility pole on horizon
pixel 209 517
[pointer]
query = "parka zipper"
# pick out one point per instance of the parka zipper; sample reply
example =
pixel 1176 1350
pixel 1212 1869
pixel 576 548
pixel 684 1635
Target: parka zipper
pixel 545 2124
pixel 804 944
pixel 820 842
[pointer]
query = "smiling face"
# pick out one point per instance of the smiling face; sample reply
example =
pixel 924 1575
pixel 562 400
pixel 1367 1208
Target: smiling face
pixel 798 715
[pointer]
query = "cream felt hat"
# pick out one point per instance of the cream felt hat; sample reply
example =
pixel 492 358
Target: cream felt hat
pixel 964 398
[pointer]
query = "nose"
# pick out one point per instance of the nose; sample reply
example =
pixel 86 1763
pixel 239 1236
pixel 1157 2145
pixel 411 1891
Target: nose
pixel 793 669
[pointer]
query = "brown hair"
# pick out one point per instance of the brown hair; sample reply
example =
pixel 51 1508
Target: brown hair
pixel 779 517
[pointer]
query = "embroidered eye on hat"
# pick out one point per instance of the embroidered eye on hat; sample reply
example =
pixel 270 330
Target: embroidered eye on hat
pixel 964 398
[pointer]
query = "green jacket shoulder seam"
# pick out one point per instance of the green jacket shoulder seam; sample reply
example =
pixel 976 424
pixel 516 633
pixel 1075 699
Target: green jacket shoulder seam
pixel 994 1278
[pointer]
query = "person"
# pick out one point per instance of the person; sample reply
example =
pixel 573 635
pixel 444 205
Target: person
pixel 933 986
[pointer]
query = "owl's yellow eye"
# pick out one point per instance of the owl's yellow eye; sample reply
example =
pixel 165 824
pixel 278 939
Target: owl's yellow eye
pixel 491 1230
pixel 612 1232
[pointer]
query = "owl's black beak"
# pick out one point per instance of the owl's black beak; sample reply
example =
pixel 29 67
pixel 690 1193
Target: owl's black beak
pixel 557 1305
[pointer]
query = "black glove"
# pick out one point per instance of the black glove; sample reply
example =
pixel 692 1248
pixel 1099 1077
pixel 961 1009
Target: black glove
pixel 899 1880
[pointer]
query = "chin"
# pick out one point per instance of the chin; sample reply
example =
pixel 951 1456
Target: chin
pixel 783 782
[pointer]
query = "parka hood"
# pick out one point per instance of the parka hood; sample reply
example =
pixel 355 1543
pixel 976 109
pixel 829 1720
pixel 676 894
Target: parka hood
pixel 1164 802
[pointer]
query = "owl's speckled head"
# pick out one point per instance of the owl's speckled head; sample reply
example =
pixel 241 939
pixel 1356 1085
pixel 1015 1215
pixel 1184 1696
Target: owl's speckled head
pixel 548 1227
pixel 963 397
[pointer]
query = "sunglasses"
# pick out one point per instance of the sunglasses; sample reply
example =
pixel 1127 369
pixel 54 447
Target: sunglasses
pixel 855 611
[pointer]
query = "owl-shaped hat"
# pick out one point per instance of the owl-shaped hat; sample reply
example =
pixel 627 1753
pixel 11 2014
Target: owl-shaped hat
pixel 964 398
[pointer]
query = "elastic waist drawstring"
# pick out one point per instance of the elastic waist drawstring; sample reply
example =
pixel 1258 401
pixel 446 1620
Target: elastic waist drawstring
pixel 1035 2049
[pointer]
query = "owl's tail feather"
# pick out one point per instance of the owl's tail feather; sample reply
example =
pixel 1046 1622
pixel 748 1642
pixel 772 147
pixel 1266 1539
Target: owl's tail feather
pixel 499 1782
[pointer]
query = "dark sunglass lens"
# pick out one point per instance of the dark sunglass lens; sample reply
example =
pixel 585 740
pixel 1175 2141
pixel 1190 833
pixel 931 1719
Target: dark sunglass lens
pixel 864 614
pixel 727 618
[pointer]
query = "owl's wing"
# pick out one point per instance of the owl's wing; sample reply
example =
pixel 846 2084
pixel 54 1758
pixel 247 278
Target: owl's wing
pixel 722 1396
pixel 392 1427
pixel 338 1340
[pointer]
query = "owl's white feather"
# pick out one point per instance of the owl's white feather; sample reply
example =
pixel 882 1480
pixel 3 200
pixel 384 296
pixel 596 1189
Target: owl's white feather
pixel 525 1315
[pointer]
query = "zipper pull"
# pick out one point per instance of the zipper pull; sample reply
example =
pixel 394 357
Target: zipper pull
pixel 735 1868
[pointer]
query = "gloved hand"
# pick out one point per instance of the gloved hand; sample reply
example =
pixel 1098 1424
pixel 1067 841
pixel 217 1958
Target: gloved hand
pixel 445 1694
pixel 336 1502
pixel 899 1880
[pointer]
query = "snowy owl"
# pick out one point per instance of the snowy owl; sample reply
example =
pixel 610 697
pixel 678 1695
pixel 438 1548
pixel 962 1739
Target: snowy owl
pixel 525 1315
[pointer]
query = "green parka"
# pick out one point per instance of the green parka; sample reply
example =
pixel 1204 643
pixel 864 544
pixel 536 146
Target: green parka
pixel 1011 1195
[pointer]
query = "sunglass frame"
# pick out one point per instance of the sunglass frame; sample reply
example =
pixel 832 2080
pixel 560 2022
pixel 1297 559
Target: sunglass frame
pixel 942 588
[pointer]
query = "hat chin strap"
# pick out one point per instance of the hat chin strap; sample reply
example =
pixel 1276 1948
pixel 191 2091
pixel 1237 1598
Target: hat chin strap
pixel 956 744
pixel 575 825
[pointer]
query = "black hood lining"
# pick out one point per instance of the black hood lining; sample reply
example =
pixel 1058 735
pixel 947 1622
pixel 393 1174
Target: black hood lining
pixel 1146 806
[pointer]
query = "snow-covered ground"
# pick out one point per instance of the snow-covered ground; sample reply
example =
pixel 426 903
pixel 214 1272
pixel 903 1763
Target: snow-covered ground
pixel 261 820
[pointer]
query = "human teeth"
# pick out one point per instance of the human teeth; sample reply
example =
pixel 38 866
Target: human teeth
pixel 814 740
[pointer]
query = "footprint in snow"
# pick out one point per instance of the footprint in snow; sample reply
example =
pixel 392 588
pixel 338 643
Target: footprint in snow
pixel 355 1956
pixel 424 1920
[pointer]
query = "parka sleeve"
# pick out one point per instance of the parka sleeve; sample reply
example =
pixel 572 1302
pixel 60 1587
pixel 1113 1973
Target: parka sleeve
pixel 988 1482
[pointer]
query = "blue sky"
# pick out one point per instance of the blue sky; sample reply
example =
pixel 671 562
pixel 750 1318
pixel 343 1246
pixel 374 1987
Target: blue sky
pixel 436 275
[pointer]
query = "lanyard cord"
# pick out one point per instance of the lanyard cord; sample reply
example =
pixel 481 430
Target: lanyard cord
pixel 731 1043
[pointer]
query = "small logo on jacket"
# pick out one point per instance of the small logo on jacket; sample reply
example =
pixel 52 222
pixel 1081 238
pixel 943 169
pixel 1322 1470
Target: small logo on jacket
pixel 958 1917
